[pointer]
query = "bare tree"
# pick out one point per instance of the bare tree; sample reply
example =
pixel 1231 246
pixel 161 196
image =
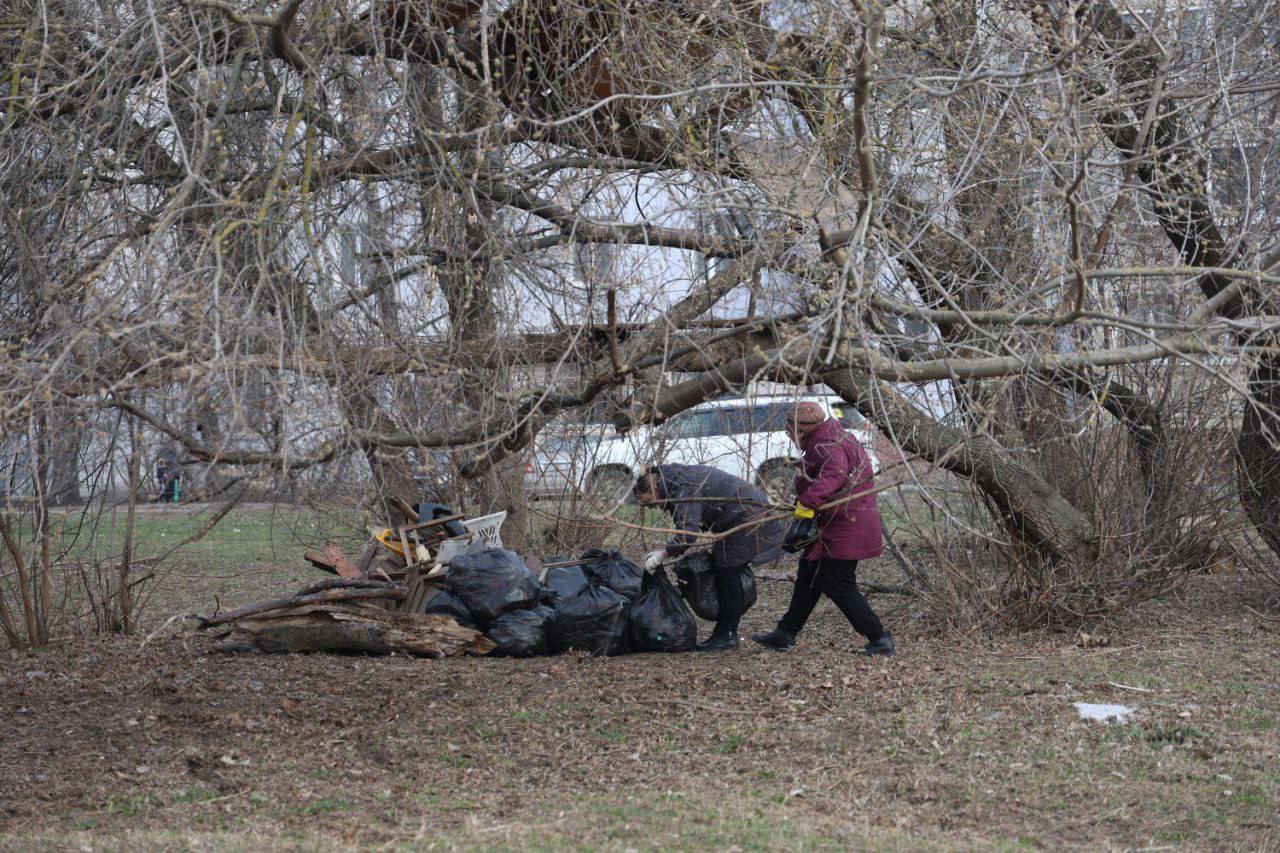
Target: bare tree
pixel 998 231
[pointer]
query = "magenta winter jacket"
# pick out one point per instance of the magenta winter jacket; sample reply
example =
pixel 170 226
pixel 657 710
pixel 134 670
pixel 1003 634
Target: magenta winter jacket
pixel 835 466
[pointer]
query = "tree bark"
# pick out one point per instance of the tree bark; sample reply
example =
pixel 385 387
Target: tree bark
pixel 1180 202
pixel 347 628
pixel 465 223
pixel 1031 508
pixel 1258 449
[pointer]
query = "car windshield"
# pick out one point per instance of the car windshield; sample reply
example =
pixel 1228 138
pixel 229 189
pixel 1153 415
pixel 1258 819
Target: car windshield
pixel 769 417
pixel 565 446
pixel 701 424
pixel 762 417
pixel 847 415
pixel 765 417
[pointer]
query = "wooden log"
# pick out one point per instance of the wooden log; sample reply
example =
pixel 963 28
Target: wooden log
pixel 340 583
pixel 353 628
pixel 327 597
pixel 341 563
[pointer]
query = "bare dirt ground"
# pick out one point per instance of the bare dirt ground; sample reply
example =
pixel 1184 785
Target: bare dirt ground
pixel 960 741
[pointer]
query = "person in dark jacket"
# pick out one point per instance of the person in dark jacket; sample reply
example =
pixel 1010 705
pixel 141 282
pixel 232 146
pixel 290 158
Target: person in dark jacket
pixel 834 467
pixel 169 475
pixel 704 499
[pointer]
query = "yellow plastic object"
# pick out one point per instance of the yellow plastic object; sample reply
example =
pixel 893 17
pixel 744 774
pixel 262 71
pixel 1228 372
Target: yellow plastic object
pixel 803 511
pixel 386 538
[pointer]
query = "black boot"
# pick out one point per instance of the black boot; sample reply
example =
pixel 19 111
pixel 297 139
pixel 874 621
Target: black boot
pixel 776 639
pixel 719 641
pixel 883 645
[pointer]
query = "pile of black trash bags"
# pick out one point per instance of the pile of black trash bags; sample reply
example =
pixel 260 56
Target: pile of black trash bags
pixel 606 605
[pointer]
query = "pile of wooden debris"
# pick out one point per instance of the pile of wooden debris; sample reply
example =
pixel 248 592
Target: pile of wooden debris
pixel 375 604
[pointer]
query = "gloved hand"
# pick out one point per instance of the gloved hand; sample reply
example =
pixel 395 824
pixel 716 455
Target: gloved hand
pixel 802 532
pixel 654 559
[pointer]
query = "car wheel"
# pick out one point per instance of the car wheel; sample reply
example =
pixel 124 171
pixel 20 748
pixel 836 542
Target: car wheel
pixel 776 477
pixel 609 485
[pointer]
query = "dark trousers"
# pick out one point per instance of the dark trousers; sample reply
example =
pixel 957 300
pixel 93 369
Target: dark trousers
pixel 729 591
pixel 169 489
pixel 837 579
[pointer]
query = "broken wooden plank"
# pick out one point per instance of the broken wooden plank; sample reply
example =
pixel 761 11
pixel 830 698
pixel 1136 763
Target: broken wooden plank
pixel 427 525
pixel 341 563
pixel 408 553
pixel 418 590
pixel 320 561
pixel 371 550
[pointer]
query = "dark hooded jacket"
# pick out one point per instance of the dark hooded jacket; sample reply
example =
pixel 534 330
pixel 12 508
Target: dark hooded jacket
pixel 705 499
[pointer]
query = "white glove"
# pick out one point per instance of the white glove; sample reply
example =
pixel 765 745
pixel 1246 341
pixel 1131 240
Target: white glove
pixel 654 559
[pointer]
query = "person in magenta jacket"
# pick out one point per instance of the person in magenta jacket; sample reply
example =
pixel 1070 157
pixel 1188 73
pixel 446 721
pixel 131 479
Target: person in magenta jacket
pixel 834 469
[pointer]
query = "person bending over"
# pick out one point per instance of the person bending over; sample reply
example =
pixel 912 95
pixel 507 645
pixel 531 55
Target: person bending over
pixel 704 499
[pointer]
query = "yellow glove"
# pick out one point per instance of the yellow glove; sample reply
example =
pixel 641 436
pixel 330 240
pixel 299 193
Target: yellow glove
pixel 803 511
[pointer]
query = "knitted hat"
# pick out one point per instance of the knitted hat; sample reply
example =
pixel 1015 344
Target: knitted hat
pixel 806 417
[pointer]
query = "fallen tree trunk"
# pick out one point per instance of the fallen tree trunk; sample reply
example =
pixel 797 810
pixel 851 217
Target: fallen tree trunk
pixel 1029 505
pixel 328 596
pixel 352 628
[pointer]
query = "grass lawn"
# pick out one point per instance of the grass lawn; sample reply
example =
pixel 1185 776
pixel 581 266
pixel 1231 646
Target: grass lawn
pixel 255 550
pixel 251 533
pixel 964 740
pixel 954 744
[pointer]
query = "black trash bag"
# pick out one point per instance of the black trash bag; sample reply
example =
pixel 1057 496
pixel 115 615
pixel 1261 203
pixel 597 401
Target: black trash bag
pixel 521 633
pixel 562 582
pixel 594 620
pixel 696 577
pixel 492 582
pixel 801 533
pixel 660 620
pixel 446 604
pixel 613 570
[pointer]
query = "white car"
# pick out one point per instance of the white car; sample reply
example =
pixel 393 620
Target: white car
pixel 557 464
pixel 743 436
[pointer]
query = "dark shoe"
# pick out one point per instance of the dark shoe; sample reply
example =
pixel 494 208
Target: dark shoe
pixel 720 642
pixel 883 646
pixel 777 639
